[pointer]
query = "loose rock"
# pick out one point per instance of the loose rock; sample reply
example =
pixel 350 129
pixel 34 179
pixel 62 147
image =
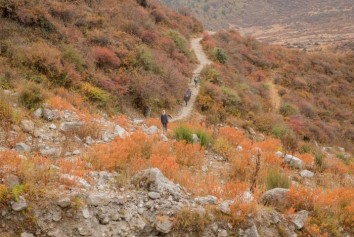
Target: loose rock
pixel 20 205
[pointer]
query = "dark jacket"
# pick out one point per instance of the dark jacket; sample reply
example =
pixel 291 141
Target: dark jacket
pixel 164 118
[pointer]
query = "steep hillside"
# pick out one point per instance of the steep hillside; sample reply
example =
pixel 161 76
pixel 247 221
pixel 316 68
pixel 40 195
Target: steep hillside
pixel 276 88
pixel 300 24
pixel 119 55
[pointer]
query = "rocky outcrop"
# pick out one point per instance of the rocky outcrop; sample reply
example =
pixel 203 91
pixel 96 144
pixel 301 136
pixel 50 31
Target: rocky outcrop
pixel 154 181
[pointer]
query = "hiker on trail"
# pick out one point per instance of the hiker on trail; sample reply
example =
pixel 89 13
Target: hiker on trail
pixel 164 121
pixel 196 80
pixel 187 96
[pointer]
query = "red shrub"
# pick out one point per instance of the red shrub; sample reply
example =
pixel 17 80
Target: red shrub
pixel 104 57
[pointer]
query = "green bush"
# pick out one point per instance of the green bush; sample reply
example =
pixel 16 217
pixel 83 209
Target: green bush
pixel 181 43
pixel 278 130
pixel 5 81
pixel 287 110
pixel 276 179
pixel 183 133
pixel 204 138
pixel 220 55
pixel 73 56
pixel 31 96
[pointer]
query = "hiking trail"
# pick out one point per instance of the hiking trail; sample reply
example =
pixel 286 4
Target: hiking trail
pixel 186 111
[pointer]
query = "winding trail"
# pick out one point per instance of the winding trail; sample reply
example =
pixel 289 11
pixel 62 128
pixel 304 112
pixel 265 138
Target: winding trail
pixel 186 111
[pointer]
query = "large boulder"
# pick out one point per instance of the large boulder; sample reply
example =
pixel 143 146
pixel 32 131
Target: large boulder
pixel 153 180
pixel 276 197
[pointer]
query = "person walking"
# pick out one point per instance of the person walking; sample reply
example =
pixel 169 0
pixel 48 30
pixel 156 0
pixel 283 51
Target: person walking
pixel 164 121
pixel 196 80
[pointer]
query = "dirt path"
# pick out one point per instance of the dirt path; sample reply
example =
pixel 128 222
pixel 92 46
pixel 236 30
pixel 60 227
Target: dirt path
pixel 186 111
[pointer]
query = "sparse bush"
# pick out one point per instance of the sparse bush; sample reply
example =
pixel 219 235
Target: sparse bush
pixel 3 193
pixel 278 130
pixel 73 56
pixel 319 160
pixel 289 141
pixel 287 110
pixel 31 96
pixel 192 220
pixel 6 113
pixel 183 133
pixel 276 179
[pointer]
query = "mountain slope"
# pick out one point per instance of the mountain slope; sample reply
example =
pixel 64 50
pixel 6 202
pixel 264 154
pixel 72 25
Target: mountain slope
pixel 315 89
pixel 108 52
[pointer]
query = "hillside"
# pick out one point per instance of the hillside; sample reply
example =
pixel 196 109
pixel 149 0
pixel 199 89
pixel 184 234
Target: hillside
pixel 106 52
pixel 263 148
pixel 299 24
pixel 275 88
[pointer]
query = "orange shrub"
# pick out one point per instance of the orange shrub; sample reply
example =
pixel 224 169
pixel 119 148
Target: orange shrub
pixel 57 102
pixel 188 154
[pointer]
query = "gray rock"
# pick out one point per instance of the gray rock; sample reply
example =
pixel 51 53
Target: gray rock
pixel 84 231
pixel 27 126
pixel 138 121
pixel 11 180
pixel 3 148
pixel 22 147
pixel 151 130
pixel 195 138
pixel 275 197
pixel 69 126
pixel 119 131
pixel 48 114
pixel 20 205
pixel 299 219
pixel 163 225
pixel 89 140
pixel 64 202
pixel 38 113
pixel 154 181
pixel 137 223
pixel 224 207
pixel 293 161
pixel 49 151
pixel 52 126
pixel 76 179
pixel 86 213
pixel 25 234
pixel 76 152
pixel 154 195
pixel 222 233
pixel 208 200
pixel 251 131
pixel 98 199
pixel 164 138
pixel 306 174
pixel 239 148
pixel 251 232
